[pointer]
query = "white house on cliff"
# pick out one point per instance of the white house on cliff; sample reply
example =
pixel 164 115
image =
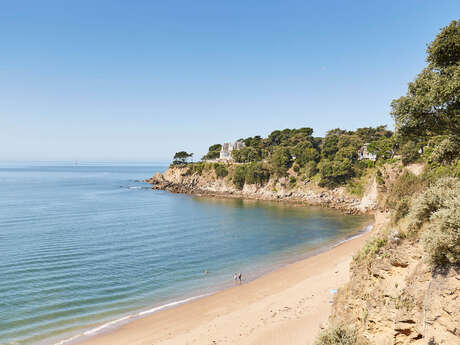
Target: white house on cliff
pixel 364 154
pixel 227 148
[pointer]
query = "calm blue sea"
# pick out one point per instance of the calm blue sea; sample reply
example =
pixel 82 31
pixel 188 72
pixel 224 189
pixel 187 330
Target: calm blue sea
pixel 82 246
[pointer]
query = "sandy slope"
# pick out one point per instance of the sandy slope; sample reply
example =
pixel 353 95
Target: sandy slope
pixel 281 308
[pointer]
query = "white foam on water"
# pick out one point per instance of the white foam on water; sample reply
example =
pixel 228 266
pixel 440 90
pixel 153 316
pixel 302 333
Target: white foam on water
pixel 366 229
pixel 153 310
pixel 68 340
pixel 95 330
pixel 105 325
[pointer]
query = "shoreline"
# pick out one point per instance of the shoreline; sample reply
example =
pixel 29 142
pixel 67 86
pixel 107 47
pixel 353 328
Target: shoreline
pixel 292 200
pixel 178 322
pixel 177 180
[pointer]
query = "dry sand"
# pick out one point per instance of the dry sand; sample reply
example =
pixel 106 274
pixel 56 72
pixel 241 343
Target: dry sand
pixel 285 307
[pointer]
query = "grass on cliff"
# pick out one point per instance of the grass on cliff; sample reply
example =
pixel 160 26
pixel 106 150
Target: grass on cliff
pixel 401 192
pixel 372 248
pixel 357 185
pixel 339 335
pixel 221 170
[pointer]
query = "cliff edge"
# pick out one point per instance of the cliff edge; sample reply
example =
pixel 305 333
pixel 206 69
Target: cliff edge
pixel 178 179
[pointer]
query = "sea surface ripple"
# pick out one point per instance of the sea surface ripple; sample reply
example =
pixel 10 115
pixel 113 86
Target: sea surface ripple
pixel 82 246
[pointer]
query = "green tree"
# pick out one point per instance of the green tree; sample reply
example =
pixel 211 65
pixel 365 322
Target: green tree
pixel 409 152
pixel 239 176
pixel 213 152
pixel 432 103
pixel 305 152
pixel 221 170
pixel 246 155
pixel 281 161
pixel 301 135
pixel 330 145
pixel 182 157
pixel 368 134
pixel 253 141
pixel 347 152
pixel 257 173
pixel 310 169
pixel 443 149
pixel 334 173
pixel 384 147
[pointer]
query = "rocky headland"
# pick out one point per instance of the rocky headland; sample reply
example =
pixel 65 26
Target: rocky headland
pixel 393 296
pixel 176 179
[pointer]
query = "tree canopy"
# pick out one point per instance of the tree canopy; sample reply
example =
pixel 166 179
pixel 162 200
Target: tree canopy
pixel 182 157
pixel 213 152
pixel 432 103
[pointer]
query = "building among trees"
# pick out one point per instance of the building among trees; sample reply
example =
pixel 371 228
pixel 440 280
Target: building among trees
pixel 363 153
pixel 227 148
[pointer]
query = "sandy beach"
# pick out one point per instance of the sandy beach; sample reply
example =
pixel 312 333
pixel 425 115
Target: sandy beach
pixel 284 307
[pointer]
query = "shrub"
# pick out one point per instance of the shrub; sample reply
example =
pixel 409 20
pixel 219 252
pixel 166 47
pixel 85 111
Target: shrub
pixel 257 173
pixel 372 248
pixel 405 186
pixel 401 209
pixel 310 169
pixel 239 176
pixel 443 150
pixel 195 168
pixel 442 236
pixel 221 170
pixel 433 199
pixel 379 178
pixel 339 335
pixel 437 171
pixel 198 168
pixel 292 181
pixel 439 205
pixel 355 187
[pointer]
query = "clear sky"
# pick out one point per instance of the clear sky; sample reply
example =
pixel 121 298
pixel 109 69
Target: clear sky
pixel 140 80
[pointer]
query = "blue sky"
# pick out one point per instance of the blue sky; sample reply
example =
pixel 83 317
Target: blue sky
pixel 140 80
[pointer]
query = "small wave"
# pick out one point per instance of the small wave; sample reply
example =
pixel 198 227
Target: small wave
pixel 137 187
pixel 95 330
pixel 359 234
pixel 105 325
pixel 68 340
pixel 164 306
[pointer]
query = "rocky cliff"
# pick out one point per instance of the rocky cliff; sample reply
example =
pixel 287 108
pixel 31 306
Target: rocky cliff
pixel 179 180
pixel 395 296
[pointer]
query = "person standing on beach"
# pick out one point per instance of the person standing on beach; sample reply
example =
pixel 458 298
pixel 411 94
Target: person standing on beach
pixel 240 277
pixel 235 277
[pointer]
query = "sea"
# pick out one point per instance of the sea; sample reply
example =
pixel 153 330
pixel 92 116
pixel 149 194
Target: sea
pixel 88 246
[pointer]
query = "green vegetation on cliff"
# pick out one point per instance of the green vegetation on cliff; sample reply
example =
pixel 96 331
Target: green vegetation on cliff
pixel 417 179
pixel 418 249
pixel 427 122
pixel 332 160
